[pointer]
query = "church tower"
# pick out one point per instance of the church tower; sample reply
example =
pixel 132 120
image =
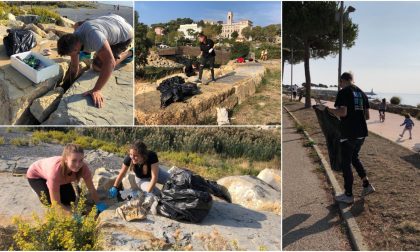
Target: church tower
pixel 229 18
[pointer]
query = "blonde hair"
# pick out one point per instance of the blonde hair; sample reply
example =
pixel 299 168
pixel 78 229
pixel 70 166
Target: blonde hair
pixel 68 149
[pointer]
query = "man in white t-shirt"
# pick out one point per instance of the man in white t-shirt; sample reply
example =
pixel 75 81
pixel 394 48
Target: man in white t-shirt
pixel 109 37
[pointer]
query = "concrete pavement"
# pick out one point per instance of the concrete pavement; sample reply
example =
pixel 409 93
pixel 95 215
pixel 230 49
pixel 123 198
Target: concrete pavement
pixel 390 129
pixel 310 218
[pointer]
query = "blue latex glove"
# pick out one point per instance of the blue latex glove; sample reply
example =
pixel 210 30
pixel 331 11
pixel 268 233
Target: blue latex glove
pixel 113 192
pixel 101 206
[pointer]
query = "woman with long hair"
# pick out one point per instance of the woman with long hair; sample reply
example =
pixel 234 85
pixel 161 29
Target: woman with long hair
pixel 52 177
pixel 145 165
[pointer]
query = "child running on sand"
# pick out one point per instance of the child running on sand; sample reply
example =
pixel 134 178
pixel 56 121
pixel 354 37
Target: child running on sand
pixel 382 108
pixel 408 125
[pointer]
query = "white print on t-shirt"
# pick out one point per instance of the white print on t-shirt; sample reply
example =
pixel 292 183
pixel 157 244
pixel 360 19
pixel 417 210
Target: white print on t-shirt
pixel 358 100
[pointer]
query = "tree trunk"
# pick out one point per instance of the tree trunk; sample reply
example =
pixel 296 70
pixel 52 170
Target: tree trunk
pixel 307 76
pixel 282 68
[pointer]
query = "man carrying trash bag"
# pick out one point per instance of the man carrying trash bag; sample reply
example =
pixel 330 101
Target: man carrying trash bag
pixel 352 106
pixel 109 36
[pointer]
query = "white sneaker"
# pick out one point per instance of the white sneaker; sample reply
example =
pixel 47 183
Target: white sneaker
pixel 344 198
pixel 368 190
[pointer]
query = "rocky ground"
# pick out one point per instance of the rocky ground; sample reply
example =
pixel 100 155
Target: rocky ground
pixel 235 83
pixel 23 102
pixel 154 60
pixel 250 222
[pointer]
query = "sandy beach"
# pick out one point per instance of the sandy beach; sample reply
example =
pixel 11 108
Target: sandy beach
pixel 102 9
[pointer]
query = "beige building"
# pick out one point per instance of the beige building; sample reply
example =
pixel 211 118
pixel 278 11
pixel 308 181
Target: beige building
pixel 185 29
pixel 229 27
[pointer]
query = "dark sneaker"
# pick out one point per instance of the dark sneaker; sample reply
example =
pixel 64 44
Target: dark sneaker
pixel 344 199
pixel 368 190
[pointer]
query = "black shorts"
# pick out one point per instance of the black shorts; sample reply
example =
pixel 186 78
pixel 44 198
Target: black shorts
pixel 382 111
pixel 117 49
pixel 294 94
pixel 210 60
pixel 67 194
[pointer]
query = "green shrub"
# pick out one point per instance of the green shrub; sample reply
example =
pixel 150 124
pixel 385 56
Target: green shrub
pixel 395 100
pixel 58 231
pixel 418 116
pixel 20 141
pixel 2 140
pixel 46 15
pixel 239 49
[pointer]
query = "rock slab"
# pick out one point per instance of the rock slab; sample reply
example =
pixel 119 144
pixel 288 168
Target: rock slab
pixel 253 193
pixel 77 109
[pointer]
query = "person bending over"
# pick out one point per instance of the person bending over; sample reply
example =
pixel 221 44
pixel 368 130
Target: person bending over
pixel 145 165
pixel 52 177
pixel 109 36
pixel 207 55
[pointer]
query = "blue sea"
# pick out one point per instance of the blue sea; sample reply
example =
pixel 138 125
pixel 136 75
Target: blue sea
pixel 406 99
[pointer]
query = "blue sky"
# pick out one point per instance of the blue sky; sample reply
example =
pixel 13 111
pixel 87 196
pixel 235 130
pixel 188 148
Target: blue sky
pixel 261 13
pixel 386 56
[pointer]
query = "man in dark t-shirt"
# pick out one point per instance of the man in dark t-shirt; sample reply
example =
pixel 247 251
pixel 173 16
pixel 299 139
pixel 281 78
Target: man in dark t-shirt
pixel 352 106
pixel 208 55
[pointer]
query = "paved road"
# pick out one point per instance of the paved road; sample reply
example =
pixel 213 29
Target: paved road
pixel 391 128
pixel 310 219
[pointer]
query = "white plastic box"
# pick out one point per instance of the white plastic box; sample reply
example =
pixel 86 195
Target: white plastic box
pixel 51 70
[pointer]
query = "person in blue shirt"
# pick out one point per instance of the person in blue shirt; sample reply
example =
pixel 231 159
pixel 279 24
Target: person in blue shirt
pixel 409 124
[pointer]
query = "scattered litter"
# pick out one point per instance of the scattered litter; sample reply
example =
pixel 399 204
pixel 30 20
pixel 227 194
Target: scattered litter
pixel 222 116
pixel 138 205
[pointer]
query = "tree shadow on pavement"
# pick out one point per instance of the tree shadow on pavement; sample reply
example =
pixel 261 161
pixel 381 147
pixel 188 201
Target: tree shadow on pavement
pixel 413 159
pixel 290 237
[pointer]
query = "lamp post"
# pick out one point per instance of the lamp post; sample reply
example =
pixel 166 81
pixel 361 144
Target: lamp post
pixel 343 14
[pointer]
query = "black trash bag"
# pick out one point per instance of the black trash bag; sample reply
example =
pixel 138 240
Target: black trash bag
pixel 18 41
pixel 187 197
pixel 330 126
pixel 175 89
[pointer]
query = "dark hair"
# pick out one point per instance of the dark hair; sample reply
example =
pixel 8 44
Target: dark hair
pixel 66 43
pixel 407 115
pixel 347 76
pixel 383 100
pixel 202 35
pixel 141 149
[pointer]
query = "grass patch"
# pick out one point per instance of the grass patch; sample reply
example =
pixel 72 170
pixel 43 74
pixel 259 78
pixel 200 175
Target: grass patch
pixel 20 141
pixel 309 143
pixel 2 140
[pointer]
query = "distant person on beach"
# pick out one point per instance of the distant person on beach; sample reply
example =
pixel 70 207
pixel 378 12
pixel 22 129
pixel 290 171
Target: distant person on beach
pixel 207 55
pixel 382 109
pixel 145 165
pixel 352 106
pixel 409 124
pixel 118 7
pixel 52 177
pixel 109 37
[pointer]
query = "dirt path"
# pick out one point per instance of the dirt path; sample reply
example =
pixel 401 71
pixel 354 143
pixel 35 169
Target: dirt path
pixel 263 107
pixel 310 218
pixel 388 218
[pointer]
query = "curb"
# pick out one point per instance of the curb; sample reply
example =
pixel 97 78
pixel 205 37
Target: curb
pixel 356 236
